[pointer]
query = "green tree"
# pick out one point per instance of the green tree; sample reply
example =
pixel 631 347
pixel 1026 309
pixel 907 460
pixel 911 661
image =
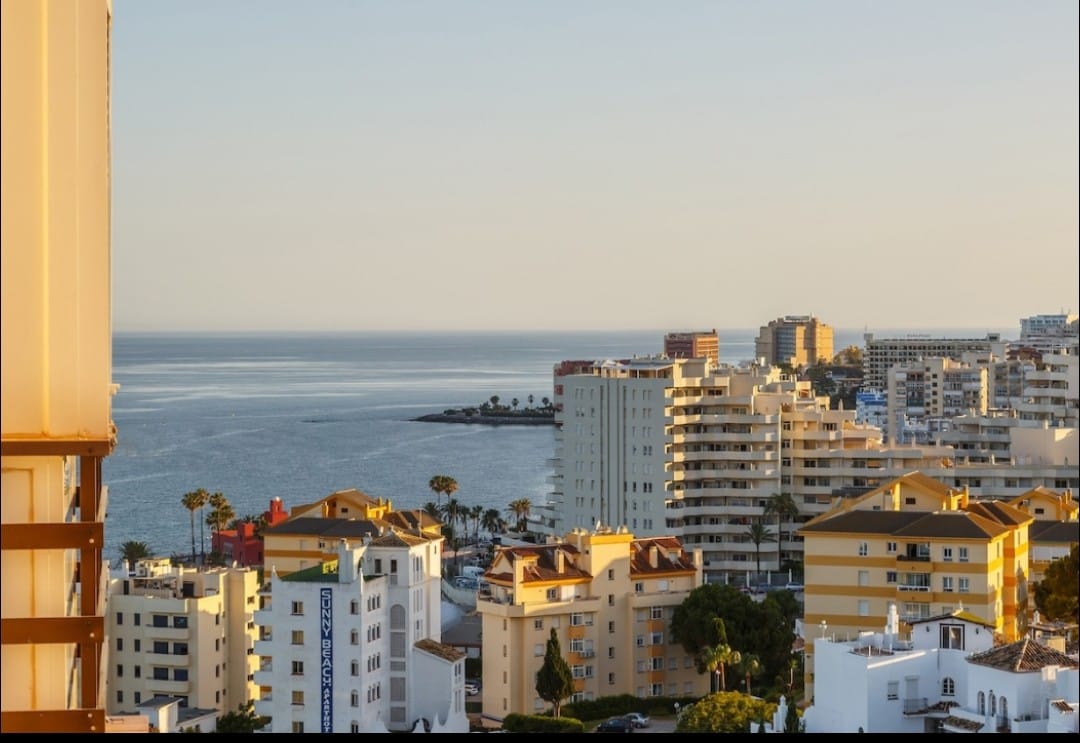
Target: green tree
pixel 791 720
pixel 443 485
pixel 514 403
pixel 431 508
pixel 1056 594
pixel 475 513
pixel 494 401
pixel 724 712
pixel 530 398
pixel 758 533
pixel 452 512
pixel 766 626
pixel 545 402
pixel 554 680
pixel 243 720
pixel 782 506
pixel 193 501
pixel 134 551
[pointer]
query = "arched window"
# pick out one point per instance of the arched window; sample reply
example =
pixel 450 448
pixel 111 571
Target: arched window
pixel 948 687
pixel 982 703
pixel 354 607
pixel 398 617
pixel 354 637
pixel 1004 712
pixel 993 704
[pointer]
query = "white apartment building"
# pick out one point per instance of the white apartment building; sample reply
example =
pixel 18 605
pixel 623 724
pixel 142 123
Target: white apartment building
pixel 680 447
pixel 932 389
pixel 948 677
pixel 353 644
pixel 1051 333
pixel 181 633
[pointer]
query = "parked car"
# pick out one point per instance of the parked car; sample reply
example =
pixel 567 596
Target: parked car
pixel 615 725
pixel 794 586
pixel 637 719
pixel 472 688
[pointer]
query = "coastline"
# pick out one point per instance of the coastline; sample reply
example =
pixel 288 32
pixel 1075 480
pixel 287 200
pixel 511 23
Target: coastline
pixel 488 420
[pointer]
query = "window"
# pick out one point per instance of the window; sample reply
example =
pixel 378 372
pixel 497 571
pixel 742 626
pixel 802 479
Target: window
pixel 982 703
pixel 161 647
pixel 611 652
pixel 965 585
pixel 611 679
pixel 138 697
pixel 890 547
pixel 297 608
pixel 963 554
pixel 952 637
pixel 639 587
pixel 298 726
pixel 354 698
pixel 948 687
pixel 864 549
pixel 611 628
pixel 119 617
pixel 538 650
pixel 119 670
pixel 893 690
pixel 354 607
pixel 161 673
pixel 354 727
pixel 656 612
pixel 298 668
pixel 552 594
pixel 864 608
pixel 138 645
pixel 298 697
pixel 611 574
pixel 538 624
pixel 947 583
pixel 298 637
pixel 354 668
pixel 611 599
pixel 890 576
pixel 119 697
pixel 138 672
pixel 946 554
pixel 577 619
pixel 864 577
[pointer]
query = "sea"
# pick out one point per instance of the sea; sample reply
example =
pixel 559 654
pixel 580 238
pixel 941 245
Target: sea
pixel 298 416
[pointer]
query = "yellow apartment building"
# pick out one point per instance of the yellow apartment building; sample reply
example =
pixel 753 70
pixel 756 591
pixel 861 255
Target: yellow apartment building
pixel 610 598
pixel 312 532
pixel 797 340
pixel 1055 528
pixel 56 349
pixel 183 633
pixel 921 545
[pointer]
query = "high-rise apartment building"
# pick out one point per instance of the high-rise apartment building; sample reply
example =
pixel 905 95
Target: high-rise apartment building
pixel 1051 333
pixel 922 545
pixel 610 599
pixel 56 351
pixel 678 447
pixel 696 345
pixel 352 644
pixel 882 354
pixel 182 633
pixel 795 340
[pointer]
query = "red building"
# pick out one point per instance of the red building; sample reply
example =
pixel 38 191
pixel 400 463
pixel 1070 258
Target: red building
pixel 242 544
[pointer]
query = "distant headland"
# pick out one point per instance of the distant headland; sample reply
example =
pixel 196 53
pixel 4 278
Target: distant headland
pixel 492 412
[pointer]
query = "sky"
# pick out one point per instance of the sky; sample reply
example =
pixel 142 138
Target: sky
pixel 573 164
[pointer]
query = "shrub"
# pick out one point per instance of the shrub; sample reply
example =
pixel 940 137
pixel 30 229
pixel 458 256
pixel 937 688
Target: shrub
pixel 515 723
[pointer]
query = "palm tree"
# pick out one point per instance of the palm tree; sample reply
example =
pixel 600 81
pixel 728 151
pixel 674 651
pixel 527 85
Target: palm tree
pixel 131 552
pixel 193 501
pixel 493 521
pixel 431 508
pixel 751 665
pixel 514 403
pixel 221 514
pixel 520 510
pixel 451 512
pixel 443 485
pixel 758 533
pixel 494 401
pixel 714 659
pixel 545 402
pixel 475 513
pixel 530 398
pixel 783 506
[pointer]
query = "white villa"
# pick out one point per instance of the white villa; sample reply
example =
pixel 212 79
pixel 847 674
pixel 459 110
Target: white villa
pixel 949 677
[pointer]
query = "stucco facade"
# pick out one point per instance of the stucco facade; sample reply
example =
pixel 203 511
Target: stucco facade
pixel 610 598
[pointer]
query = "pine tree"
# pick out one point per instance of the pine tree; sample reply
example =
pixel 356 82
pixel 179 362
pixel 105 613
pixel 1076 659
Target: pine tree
pixel 554 681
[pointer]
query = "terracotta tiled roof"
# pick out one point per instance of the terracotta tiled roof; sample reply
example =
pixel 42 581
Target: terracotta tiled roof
pixel 952 524
pixel 541 563
pixel 393 538
pixel 355 495
pixel 1062 705
pixel 863 522
pixel 959 722
pixel 439 650
pixel 1022 656
pixel 342 528
pixel 669 557
pixel 413 519
pixel 942 706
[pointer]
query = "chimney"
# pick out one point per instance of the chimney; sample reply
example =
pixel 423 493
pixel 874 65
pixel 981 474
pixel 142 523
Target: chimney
pixel 560 561
pixel 654 556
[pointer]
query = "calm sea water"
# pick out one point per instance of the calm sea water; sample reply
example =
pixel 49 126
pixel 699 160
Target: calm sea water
pixel 298 416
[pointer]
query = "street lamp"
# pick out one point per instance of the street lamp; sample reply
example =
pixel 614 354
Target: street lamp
pixel 824 626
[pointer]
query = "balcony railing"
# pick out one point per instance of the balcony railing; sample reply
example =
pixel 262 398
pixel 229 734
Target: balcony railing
pixel 916 706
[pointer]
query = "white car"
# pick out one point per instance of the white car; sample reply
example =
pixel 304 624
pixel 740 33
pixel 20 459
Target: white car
pixel 637 719
pixel 472 688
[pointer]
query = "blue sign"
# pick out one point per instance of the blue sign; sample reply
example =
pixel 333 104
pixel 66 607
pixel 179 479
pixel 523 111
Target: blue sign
pixel 326 657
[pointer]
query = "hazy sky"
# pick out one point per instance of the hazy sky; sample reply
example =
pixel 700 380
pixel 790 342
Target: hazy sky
pixel 588 165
